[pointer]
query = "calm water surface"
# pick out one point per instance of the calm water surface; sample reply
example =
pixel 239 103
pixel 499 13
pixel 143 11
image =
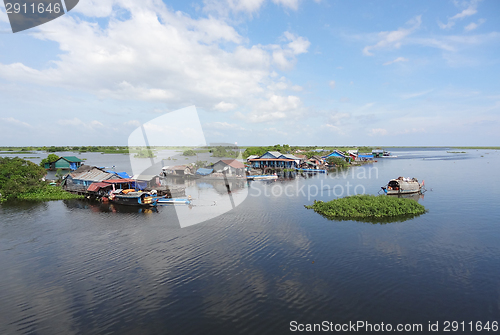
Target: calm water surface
pixel 78 267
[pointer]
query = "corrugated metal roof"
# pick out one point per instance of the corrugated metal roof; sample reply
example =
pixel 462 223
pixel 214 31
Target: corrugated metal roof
pixel 72 159
pixel 233 163
pixel 96 186
pixel 120 181
pixel 274 153
pixel 290 156
pixel 93 175
pixel 272 159
pixel 252 157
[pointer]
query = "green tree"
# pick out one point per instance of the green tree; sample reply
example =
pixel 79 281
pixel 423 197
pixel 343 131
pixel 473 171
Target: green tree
pixel 50 158
pixel 19 176
pixel 337 161
pixel 189 152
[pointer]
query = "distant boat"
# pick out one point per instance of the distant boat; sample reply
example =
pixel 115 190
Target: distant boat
pixel 311 170
pixel 262 177
pixel 402 186
pixel 174 201
pixel 134 199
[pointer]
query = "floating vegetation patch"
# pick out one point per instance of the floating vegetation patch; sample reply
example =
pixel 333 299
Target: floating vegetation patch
pixel 371 208
pixel 48 193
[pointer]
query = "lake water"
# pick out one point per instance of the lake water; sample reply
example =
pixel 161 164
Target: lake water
pixel 74 267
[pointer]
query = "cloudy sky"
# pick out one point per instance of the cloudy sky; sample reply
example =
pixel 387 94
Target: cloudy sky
pixel 259 72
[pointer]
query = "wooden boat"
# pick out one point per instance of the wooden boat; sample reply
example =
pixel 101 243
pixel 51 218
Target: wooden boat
pixel 402 186
pixel 310 170
pixel 174 201
pixel 134 199
pixel 262 177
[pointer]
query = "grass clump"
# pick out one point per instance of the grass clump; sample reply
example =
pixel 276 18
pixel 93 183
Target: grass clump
pixel 48 193
pixel 358 207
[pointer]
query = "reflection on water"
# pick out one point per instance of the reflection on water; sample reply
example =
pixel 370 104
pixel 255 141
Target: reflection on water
pixel 415 196
pixel 80 267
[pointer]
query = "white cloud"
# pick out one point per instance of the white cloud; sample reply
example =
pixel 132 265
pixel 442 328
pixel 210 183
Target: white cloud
pixel 393 39
pixel 291 4
pixel 224 7
pixel 377 132
pixel 3 16
pixel 157 55
pixel 332 84
pixel 397 60
pixel 133 123
pixel 76 122
pixel 415 95
pixel 16 122
pixel 223 126
pixel 284 56
pixel 470 10
pixel 224 106
pixel 275 108
pixel 473 25
pixel 337 119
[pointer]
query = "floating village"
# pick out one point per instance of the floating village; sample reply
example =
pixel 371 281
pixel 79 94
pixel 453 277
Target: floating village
pixel 107 185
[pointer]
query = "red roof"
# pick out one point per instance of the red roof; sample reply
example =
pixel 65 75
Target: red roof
pixel 119 181
pixel 234 163
pixel 94 187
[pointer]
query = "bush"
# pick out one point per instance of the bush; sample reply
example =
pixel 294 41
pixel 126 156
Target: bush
pixel 19 176
pixel 189 152
pixel 50 158
pixel 367 206
pixel 337 161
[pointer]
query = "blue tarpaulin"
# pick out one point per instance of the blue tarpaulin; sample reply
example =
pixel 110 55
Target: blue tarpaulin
pixel 124 175
pixel 204 171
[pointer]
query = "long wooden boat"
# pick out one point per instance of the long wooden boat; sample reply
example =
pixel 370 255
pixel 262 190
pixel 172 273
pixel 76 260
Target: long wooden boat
pixel 262 177
pixel 311 170
pixel 402 186
pixel 134 199
pixel 174 201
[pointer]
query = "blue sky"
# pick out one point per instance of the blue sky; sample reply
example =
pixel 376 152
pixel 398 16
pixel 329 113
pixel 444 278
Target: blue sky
pixel 260 72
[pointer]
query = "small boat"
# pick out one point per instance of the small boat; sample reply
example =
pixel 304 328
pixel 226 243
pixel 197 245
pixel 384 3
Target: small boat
pixel 134 199
pixel 262 177
pixel 311 170
pixel 402 185
pixel 174 201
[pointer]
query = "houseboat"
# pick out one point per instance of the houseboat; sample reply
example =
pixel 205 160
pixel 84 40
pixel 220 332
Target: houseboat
pixel 402 185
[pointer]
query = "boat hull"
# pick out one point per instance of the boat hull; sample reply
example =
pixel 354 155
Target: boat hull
pixel 176 201
pixel 262 177
pixel 142 200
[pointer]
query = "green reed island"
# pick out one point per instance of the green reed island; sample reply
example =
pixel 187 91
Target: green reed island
pixel 367 207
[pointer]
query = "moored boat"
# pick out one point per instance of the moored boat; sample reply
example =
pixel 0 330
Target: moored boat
pixel 134 199
pixel 262 177
pixel 174 201
pixel 403 185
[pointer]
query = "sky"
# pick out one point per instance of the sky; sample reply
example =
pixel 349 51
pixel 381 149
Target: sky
pixel 258 72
